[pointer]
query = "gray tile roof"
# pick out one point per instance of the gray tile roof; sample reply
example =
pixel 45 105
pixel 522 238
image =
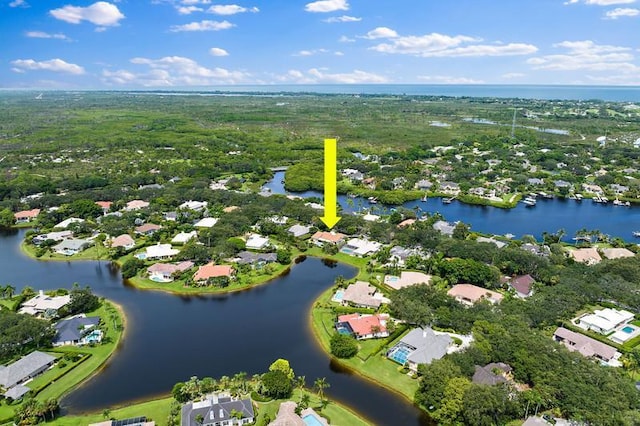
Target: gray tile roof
pixel 73 329
pixel 16 392
pixel 24 368
pixel 72 244
pixel 216 411
pixel 428 345
pixel 247 257
pixel 486 375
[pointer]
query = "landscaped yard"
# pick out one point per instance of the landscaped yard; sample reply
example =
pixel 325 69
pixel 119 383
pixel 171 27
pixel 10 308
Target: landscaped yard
pixel 157 410
pixel 375 367
pixel 69 376
pixel 95 252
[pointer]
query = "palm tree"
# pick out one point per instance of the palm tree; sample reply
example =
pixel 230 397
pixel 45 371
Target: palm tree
pixel 321 384
pixel 304 400
pixel 9 291
pixel 106 413
pixel 300 382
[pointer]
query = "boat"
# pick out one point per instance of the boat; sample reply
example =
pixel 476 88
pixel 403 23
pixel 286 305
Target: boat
pixel 424 198
pixel 447 200
pixel 617 202
pixel 604 200
pixel 579 197
pixel 627 204
pixel 636 234
pixel 373 200
pixel 529 201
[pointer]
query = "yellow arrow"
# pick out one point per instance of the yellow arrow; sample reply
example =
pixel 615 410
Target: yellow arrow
pixel 330 217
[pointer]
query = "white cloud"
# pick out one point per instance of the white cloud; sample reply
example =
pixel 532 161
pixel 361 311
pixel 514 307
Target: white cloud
pixel 315 75
pixel 511 75
pixel 55 65
pixel 380 32
pixel 41 34
pixel 606 80
pixel 345 39
pixel 100 13
pixel 343 18
pixel 191 2
pixel 442 45
pixel 203 26
pixel 216 51
pixel 187 10
pixel 586 55
pixel 230 9
pixel 444 79
pixel 601 2
pixel 310 52
pixel 173 71
pixel 323 6
pixel 18 3
pixel 620 12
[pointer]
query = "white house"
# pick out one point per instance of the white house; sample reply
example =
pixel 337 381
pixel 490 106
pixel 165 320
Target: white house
pixel 257 242
pixel 207 222
pixel 71 246
pixel 160 251
pixel 65 223
pixel 604 321
pixel 184 237
pixel 299 230
pixel 194 205
pixel 360 247
pixel 43 303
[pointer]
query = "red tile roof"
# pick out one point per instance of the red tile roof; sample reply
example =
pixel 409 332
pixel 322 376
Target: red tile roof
pixel 523 283
pixel 27 214
pixel 363 324
pixel 106 205
pixel 142 229
pixel 331 237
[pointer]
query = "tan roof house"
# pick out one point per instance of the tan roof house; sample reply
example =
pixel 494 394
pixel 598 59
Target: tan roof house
pixel 147 228
pixel 321 237
pixel 587 346
pixel 125 241
pixel 25 216
pixel 164 272
pixel 617 253
pixel 361 294
pixel 469 294
pixel 212 271
pixel 406 279
pixel 136 205
pixel 589 255
pixel 104 205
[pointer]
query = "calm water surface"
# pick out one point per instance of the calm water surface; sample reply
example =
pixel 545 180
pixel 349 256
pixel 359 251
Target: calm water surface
pixel 171 338
pixel 548 215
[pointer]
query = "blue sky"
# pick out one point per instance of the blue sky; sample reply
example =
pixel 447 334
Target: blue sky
pixel 176 43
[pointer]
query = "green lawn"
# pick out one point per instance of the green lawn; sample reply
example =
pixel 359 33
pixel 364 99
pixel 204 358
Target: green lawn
pixel 375 367
pixel 95 252
pixel 68 377
pixel 157 410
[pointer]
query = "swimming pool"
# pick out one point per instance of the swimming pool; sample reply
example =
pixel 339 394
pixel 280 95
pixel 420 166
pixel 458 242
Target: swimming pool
pixel 311 420
pixel 399 354
pixel 141 256
pixel 344 328
pixel 338 296
pixel 628 329
pixel 347 250
pixel 391 279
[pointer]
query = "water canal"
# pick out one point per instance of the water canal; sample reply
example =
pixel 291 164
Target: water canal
pixel 548 215
pixel 171 338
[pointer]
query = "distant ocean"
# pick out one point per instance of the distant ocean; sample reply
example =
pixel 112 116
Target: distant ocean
pixel 605 93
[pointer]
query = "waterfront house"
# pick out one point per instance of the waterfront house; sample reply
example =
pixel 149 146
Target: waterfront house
pixel 406 279
pixel 136 205
pixel 159 251
pixel 562 184
pixel 542 251
pixel 360 247
pixel 592 188
pixel 299 230
pixel 218 410
pixel 589 255
pixel 54 236
pixel 71 246
pixel 184 237
pixel 210 270
pixel 257 242
pixel 165 272
pixel 364 326
pixel 420 346
pixel 371 217
pixel 491 240
pixel 147 229
pixel 287 416
pixel 206 222
pixel 194 205
pixel 523 285
pixel 321 238
pixel 125 241
pixel 251 258
pixel 604 321
pixel 450 188
pixel 423 185
pixel 587 346
pixel 75 331
pixel 134 421
pixel 363 295
pixel 44 304
pixel 26 216
pixel 65 223
pixel 617 253
pixel 444 227
pixel 618 189
pixel 535 181
pixel 492 374
pixel 25 368
pixel 469 294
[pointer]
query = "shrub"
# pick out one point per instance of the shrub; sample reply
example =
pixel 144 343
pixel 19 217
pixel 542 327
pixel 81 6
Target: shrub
pixel 343 346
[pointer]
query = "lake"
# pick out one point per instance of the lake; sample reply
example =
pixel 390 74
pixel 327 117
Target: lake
pixel 171 338
pixel 548 215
